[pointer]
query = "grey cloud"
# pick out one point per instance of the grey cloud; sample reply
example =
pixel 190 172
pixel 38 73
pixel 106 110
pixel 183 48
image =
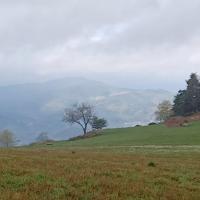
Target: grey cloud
pixel 46 23
pixel 43 39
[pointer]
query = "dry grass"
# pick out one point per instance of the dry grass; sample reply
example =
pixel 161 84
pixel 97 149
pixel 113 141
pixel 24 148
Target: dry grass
pixel 27 174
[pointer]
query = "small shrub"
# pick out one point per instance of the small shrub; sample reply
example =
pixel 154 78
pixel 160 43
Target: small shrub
pixel 151 164
pixel 49 144
pixel 138 125
pixel 185 124
pixel 152 123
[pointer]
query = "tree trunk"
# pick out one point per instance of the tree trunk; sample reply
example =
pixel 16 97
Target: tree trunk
pixel 85 130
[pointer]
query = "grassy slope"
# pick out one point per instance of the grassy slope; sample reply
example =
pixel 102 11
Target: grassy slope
pixel 92 173
pixel 149 135
pixel 59 174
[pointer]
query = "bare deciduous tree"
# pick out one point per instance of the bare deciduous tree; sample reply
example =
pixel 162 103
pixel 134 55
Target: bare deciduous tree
pixel 7 138
pixel 42 137
pixel 164 111
pixel 81 114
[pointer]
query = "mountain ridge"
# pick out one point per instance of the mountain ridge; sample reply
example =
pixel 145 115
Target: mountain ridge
pixel 28 109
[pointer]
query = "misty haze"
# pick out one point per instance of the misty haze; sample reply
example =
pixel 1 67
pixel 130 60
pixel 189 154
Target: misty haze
pixel 100 99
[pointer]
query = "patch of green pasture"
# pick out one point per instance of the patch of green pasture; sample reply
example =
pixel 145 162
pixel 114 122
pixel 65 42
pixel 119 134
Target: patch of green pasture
pixel 139 136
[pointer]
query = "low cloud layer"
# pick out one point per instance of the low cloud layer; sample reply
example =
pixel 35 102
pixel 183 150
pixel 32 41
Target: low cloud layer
pixel 148 41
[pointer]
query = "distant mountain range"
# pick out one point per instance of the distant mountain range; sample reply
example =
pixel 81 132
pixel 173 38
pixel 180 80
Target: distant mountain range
pixel 29 109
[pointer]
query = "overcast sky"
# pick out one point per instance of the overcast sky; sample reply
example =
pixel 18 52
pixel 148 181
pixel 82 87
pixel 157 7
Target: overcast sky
pixel 129 43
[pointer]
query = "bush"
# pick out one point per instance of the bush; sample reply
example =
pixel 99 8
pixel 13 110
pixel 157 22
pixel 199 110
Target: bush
pixel 138 125
pixel 151 164
pixel 152 123
pixel 185 125
pixel 98 123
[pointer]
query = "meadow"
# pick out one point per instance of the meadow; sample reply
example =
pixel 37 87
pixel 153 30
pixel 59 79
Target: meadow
pixel 124 164
pixel 157 135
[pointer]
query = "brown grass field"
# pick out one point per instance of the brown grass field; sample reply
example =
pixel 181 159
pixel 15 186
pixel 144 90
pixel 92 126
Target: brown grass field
pixel 87 174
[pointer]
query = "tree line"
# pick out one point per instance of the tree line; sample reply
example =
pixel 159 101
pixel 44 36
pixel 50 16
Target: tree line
pixel 186 102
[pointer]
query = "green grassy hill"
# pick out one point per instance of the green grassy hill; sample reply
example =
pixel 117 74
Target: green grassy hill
pixel 147 135
pixel 113 165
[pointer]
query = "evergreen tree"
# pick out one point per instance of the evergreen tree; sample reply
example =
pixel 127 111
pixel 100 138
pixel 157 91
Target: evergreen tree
pixel 98 123
pixel 179 103
pixel 192 98
pixel 187 101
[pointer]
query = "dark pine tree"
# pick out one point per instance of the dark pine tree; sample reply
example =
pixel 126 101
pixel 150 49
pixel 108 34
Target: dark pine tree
pixel 179 103
pixel 188 101
pixel 192 96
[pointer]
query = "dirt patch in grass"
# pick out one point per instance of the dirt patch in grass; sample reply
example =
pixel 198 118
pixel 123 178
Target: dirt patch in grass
pixel 182 120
